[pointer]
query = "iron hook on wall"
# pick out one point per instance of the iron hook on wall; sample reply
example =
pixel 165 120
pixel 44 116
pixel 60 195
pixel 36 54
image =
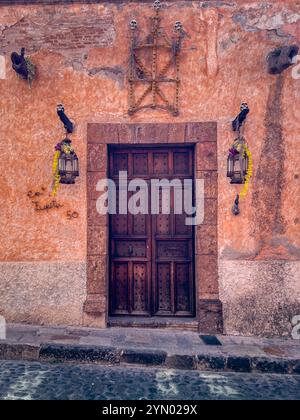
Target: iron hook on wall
pixel 69 126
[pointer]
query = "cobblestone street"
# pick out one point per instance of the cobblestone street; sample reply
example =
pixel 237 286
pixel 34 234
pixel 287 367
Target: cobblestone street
pixel 34 381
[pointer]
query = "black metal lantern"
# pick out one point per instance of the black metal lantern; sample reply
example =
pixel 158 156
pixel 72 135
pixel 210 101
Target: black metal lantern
pixel 68 164
pixel 237 163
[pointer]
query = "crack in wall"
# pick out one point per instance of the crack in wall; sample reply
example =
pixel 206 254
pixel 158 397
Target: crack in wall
pixel 115 73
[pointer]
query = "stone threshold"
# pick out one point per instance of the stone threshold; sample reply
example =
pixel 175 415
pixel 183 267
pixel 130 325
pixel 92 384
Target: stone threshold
pixel 186 324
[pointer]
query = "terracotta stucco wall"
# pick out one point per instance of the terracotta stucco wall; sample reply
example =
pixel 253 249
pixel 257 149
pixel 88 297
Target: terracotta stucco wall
pixel 81 51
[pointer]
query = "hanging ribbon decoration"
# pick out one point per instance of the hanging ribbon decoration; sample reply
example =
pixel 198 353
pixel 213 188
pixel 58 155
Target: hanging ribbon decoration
pixel 249 173
pixel 55 172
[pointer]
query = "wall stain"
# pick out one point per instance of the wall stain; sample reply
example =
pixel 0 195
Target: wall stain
pixel 269 182
pixel 116 73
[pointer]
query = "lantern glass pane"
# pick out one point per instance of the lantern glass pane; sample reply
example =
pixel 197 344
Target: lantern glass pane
pixel 230 167
pixel 75 165
pixel 69 167
pixel 237 166
pixel 61 164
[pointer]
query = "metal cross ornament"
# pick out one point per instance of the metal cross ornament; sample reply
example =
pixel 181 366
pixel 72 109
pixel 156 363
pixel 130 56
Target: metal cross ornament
pixel 149 80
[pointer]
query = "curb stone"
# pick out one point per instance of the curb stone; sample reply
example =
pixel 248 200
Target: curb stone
pixel 206 362
pixel 48 352
pixel 264 365
pixel 239 364
pixel 144 357
pixel 249 364
pixel 12 351
pixel 296 368
pixel 79 353
pixel 185 362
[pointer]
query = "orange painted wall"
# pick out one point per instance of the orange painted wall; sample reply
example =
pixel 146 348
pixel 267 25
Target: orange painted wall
pixel 223 64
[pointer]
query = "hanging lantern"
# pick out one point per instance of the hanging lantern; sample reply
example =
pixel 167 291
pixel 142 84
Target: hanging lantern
pixel 238 162
pixel 68 164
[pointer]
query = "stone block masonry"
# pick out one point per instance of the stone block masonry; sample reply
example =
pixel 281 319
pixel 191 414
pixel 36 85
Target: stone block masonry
pixel 61 31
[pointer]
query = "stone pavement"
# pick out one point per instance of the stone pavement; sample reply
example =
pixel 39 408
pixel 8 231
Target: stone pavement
pixel 44 381
pixel 150 347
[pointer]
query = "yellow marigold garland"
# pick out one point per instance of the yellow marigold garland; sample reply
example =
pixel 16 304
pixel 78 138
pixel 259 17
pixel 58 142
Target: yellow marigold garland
pixel 249 173
pixel 56 176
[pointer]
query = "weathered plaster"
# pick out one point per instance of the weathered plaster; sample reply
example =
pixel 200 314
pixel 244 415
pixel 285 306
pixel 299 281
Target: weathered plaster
pixel 43 292
pixel 266 16
pixel 2 67
pixel 259 298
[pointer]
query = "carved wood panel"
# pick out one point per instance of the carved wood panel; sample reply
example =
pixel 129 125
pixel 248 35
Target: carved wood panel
pixel 152 256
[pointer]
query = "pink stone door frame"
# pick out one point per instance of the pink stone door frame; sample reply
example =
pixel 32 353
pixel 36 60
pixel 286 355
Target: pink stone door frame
pixel 204 137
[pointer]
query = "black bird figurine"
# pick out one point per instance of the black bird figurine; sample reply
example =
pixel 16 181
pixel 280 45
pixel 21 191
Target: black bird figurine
pixel 69 126
pixel 19 64
pixel 281 59
pixel 240 119
pixel 235 208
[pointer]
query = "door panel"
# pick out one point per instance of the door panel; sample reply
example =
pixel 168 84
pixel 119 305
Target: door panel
pixel 140 164
pixel 120 287
pixel 140 288
pixel 161 163
pixel 163 280
pixel 152 265
pixel 183 292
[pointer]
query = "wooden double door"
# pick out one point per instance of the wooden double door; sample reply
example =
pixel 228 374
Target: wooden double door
pixel 152 255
